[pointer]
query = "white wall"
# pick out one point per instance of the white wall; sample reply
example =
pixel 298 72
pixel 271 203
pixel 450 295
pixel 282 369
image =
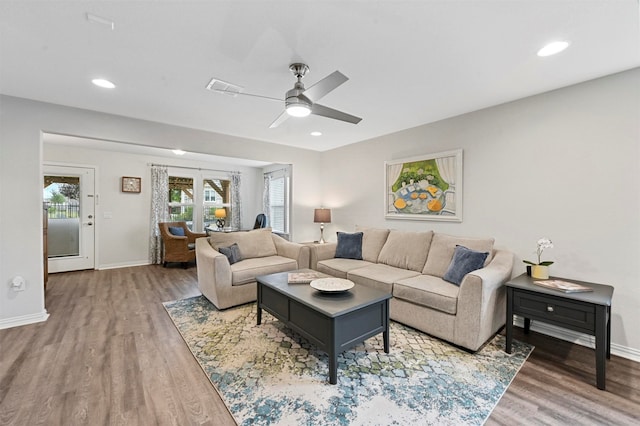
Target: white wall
pixel 21 124
pixel 122 220
pixel 563 165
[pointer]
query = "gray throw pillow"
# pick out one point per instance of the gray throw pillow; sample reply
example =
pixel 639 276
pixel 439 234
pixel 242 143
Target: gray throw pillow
pixel 464 261
pixel 232 252
pixel 349 245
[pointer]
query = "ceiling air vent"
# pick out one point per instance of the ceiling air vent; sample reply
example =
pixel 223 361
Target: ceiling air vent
pixel 216 85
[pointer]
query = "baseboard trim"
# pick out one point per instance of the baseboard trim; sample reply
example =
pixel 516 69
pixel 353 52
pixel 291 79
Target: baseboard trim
pixel 24 320
pixel 578 338
pixel 123 265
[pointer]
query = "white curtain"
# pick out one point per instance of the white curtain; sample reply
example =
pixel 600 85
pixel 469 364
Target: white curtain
pixel 236 205
pixel 159 210
pixel 393 173
pixel 447 169
pixel 266 202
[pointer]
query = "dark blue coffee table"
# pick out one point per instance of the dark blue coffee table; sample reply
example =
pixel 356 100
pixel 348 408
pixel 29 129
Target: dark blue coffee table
pixel 333 322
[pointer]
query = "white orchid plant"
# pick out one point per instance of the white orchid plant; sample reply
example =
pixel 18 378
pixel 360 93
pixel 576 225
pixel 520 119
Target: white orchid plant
pixel 543 243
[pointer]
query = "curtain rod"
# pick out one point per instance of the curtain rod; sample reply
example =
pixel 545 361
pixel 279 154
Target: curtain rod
pixel 285 169
pixel 194 168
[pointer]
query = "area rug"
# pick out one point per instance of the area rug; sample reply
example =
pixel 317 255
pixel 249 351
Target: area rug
pixel 269 375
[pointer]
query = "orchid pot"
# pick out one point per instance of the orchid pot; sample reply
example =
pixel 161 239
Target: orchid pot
pixel 540 272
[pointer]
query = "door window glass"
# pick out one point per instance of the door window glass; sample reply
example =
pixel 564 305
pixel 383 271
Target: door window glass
pixel 62 199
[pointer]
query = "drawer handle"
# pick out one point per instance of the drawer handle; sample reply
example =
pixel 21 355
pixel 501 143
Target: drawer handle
pixel 549 308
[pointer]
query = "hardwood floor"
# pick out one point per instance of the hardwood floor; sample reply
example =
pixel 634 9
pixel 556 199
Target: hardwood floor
pixel 109 354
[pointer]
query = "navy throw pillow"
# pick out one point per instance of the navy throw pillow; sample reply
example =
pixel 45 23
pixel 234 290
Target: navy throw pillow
pixel 232 252
pixel 464 261
pixel 349 245
pixel 178 231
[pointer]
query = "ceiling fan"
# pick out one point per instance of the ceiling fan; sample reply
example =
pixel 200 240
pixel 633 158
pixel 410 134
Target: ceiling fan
pixel 298 102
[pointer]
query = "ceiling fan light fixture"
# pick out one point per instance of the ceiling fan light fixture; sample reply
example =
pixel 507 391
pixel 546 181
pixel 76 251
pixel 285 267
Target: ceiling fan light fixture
pixel 298 110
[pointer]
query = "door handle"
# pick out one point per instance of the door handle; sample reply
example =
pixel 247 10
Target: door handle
pixel 89 223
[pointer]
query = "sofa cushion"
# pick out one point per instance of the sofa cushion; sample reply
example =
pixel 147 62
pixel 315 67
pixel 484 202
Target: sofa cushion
pixel 373 240
pixel 443 246
pixel 406 250
pixel 429 291
pixel 339 267
pixel 247 270
pixel 178 231
pixel 379 276
pixel 349 245
pixel 464 261
pixel 232 252
pixel 255 243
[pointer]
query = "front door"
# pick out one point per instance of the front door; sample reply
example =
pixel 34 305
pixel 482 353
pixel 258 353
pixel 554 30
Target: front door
pixel 69 195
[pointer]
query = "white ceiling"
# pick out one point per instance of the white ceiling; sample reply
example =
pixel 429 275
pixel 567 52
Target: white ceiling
pixel 409 62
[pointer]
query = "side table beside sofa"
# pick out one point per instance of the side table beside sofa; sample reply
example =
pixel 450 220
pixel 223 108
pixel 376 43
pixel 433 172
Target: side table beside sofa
pixel 584 312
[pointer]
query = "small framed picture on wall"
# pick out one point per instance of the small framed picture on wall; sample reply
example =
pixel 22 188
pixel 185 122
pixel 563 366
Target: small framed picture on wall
pixel 131 184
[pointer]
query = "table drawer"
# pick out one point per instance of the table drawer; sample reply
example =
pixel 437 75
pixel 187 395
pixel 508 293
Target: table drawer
pixel 575 315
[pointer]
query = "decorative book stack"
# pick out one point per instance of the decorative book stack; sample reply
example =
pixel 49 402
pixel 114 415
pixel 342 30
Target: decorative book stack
pixel 304 277
pixel 563 286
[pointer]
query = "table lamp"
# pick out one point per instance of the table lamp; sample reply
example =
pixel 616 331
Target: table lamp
pixel 322 216
pixel 220 214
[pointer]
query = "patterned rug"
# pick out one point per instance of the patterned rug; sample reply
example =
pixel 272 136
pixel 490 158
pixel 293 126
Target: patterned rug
pixel 270 375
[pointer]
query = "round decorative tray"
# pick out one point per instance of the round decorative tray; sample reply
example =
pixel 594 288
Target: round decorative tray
pixel 332 285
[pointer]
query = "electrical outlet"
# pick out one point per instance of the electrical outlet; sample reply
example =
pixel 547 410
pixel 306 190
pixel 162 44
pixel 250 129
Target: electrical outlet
pixel 18 284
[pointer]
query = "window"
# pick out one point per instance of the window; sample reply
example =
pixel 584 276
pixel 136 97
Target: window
pixel 195 204
pixel 181 200
pixel 277 207
pixel 216 195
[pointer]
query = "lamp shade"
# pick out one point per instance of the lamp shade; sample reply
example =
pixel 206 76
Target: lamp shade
pixel 220 213
pixel 322 216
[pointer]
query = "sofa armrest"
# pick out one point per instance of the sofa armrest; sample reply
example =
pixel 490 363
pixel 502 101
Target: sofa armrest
pixel 497 272
pixel 296 251
pixel 320 252
pixel 481 301
pixel 214 273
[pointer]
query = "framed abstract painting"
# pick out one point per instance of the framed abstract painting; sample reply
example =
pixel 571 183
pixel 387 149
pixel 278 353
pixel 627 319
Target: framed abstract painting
pixel 428 187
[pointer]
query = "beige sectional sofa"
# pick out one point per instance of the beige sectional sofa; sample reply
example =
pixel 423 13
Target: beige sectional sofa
pixel 411 266
pixel 262 252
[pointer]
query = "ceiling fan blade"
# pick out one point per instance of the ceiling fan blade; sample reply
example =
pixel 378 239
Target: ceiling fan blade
pixel 333 113
pixel 278 121
pixel 325 85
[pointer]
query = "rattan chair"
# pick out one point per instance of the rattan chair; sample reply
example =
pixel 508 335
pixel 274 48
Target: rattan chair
pixel 178 248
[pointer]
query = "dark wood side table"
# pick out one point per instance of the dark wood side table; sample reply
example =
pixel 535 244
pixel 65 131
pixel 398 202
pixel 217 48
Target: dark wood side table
pixel 587 312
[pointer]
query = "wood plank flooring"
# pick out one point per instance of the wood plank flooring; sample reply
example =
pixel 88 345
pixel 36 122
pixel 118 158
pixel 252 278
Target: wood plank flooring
pixel 109 354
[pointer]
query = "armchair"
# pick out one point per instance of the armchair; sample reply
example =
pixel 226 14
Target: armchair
pixel 178 248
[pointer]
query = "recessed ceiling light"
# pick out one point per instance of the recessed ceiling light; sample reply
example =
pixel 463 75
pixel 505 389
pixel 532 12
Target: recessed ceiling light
pixel 316 133
pixel 553 48
pixel 178 151
pixel 101 82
